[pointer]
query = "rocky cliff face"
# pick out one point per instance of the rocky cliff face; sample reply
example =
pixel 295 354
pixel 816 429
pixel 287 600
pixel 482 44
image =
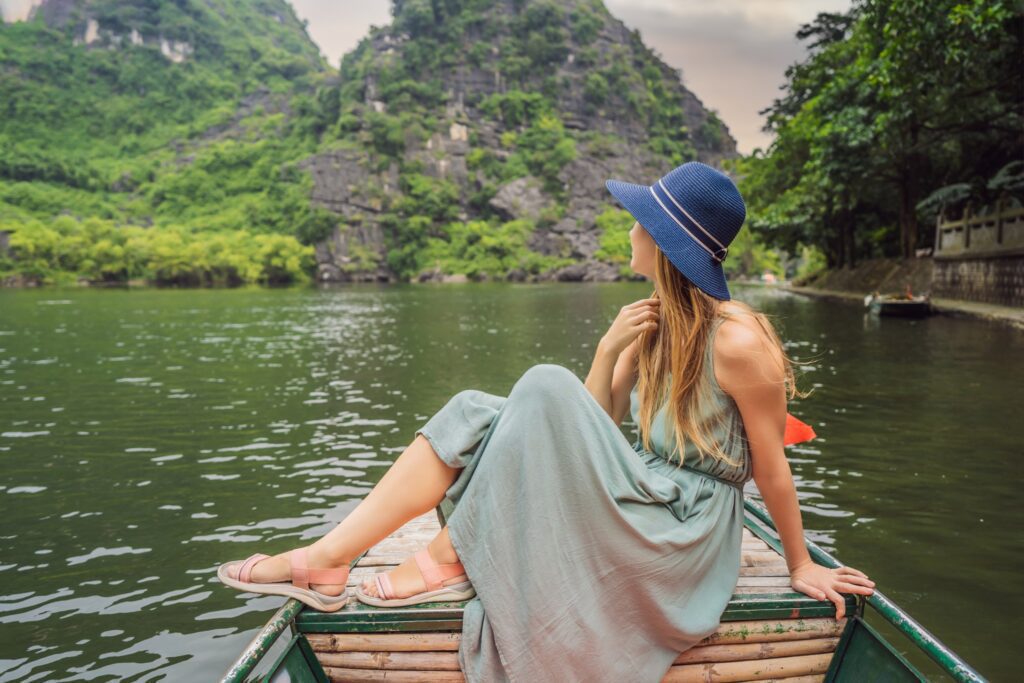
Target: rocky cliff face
pixel 77 15
pixel 171 28
pixel 468 137
pixel 626 111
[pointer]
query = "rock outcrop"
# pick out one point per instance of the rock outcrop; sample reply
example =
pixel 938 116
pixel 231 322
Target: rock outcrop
pixel 611 140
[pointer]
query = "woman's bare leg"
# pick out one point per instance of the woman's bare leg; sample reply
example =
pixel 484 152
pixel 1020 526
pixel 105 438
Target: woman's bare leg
pixel 413 485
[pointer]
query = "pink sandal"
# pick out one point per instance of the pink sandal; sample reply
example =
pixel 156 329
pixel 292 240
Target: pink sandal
pixel 299 588
pixel 433 576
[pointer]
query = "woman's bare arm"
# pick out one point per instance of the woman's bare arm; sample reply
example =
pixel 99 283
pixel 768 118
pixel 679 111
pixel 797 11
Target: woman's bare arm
pixel 611 376
pixel 747 371
pixel 623 381
pixel 599 379
pixel 610 385
pixel 753 374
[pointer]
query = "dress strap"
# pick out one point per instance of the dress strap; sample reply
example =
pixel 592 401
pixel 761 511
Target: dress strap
pixel 639 448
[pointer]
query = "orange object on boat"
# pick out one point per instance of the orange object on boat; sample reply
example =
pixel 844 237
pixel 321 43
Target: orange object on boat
pixel 796 431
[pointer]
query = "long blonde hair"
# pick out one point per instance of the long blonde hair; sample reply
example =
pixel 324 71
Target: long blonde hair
pixel 678 347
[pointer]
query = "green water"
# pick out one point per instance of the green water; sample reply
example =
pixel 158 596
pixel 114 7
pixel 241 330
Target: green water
pixel 147 436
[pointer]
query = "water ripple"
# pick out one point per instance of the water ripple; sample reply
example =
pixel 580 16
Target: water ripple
pixel 159 433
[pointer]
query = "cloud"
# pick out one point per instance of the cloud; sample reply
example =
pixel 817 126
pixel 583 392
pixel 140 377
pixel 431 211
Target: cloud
pixel 733 53
pixel 337 27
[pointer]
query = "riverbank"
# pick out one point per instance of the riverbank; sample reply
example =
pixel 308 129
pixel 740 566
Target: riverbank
pixel 953 307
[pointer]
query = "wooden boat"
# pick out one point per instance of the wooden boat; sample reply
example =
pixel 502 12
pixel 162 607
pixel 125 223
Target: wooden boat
pixel 898 305
pixel 767 633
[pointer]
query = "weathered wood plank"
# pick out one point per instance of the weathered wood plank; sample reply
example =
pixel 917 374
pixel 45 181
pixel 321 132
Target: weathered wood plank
pixel 756 670
pixel 447 660
pixel 405 661
pixel 338 675
pixel 802 669
pixel 754 558
pixel 747 651
pixel 728 633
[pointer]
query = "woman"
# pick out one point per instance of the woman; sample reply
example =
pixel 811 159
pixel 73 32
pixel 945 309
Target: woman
pixel 591 559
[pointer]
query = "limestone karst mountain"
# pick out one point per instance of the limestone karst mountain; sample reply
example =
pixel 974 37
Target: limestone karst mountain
pixel 467 136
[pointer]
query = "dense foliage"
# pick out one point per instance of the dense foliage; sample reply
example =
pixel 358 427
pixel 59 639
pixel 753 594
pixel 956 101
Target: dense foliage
pixel 118 163
pixel 182 124
pixel 897 100
pixel 100 251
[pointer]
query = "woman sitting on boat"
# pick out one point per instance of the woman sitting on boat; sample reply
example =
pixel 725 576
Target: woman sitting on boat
pixel 584 557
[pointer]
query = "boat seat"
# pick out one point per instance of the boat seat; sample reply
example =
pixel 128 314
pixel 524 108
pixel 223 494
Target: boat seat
pixel 768 631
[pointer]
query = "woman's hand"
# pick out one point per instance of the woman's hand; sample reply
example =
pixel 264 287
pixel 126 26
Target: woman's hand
pixel 823 583
pixel 632 319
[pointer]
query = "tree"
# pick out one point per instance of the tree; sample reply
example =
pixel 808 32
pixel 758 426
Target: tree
pixel 894 100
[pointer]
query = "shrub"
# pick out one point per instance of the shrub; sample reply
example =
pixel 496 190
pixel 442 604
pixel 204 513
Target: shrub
pixel 595 89
pixel 101 250
pixel 614 245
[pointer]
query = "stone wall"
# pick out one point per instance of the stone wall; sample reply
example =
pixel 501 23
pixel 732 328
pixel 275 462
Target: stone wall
pixel 995 280
pixel 980 256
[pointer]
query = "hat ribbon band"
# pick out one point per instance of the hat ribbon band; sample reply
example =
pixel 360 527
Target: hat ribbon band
pixel 686 213
pixel 718 255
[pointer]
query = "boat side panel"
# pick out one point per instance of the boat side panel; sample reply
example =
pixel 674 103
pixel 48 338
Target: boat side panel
pixel 298 664
pixel 864 655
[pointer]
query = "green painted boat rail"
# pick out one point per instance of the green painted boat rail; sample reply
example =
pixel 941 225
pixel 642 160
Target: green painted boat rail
pixel 262 642
pixel 950 662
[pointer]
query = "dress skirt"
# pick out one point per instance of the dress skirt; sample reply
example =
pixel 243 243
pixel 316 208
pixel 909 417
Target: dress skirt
pixel 591 561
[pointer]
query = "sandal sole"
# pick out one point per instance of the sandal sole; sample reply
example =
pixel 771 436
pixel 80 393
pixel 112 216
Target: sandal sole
pixel 457 592
pixel 318 601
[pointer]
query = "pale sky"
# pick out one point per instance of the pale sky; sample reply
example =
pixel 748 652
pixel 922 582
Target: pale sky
pixel 733 53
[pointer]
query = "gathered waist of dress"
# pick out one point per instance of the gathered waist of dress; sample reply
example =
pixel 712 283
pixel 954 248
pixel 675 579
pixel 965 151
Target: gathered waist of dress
pixel 639 448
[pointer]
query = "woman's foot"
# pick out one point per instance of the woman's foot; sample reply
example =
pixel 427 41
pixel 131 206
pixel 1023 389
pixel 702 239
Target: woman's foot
pixel 406 578
pixel 278 568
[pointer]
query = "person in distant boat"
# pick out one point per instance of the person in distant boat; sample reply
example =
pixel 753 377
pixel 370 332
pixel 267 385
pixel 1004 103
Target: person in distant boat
pixel 584 557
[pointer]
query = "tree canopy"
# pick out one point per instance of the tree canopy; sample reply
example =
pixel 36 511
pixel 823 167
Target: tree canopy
pixel 894 101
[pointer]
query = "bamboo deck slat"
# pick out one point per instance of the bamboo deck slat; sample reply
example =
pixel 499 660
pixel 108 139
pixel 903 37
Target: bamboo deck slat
pixel 734 632
pixel 792 650
pixel 447 660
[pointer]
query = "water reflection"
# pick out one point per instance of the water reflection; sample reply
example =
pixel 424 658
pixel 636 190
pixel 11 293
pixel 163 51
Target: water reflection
pixel 148 436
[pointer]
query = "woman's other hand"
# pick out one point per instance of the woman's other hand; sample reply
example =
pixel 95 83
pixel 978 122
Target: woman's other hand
pixel 632 319
pixel 823 583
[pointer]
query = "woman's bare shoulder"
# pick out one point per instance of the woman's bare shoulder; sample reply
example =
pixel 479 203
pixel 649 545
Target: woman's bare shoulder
pixel 738 333
pixel 741 345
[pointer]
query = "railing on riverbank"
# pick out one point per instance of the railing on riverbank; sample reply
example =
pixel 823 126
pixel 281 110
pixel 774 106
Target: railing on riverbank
pixel 984 235
pixel 980 257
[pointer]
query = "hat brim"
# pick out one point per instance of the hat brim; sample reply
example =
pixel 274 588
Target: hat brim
pixel 685 254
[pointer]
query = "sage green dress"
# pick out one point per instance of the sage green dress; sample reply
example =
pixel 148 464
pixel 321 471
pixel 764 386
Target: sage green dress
pixel 592 559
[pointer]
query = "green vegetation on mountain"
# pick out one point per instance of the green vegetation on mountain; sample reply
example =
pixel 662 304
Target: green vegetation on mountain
pixel 113 138
pixel 137 132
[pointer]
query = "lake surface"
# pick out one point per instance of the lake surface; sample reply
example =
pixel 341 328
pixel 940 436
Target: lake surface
pixel 147 436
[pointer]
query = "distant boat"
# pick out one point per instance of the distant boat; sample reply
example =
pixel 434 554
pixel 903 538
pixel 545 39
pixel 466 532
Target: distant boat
pixel 768 630
pixel 901 305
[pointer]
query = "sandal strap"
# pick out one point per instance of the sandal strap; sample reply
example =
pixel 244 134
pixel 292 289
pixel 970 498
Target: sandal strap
pixel 245 571
pixel 334 575
pixel 299 567
pixel 433 573
pixel 302 575
pixel 384 588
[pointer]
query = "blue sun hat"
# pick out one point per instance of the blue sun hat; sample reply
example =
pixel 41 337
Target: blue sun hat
pixel 693 213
